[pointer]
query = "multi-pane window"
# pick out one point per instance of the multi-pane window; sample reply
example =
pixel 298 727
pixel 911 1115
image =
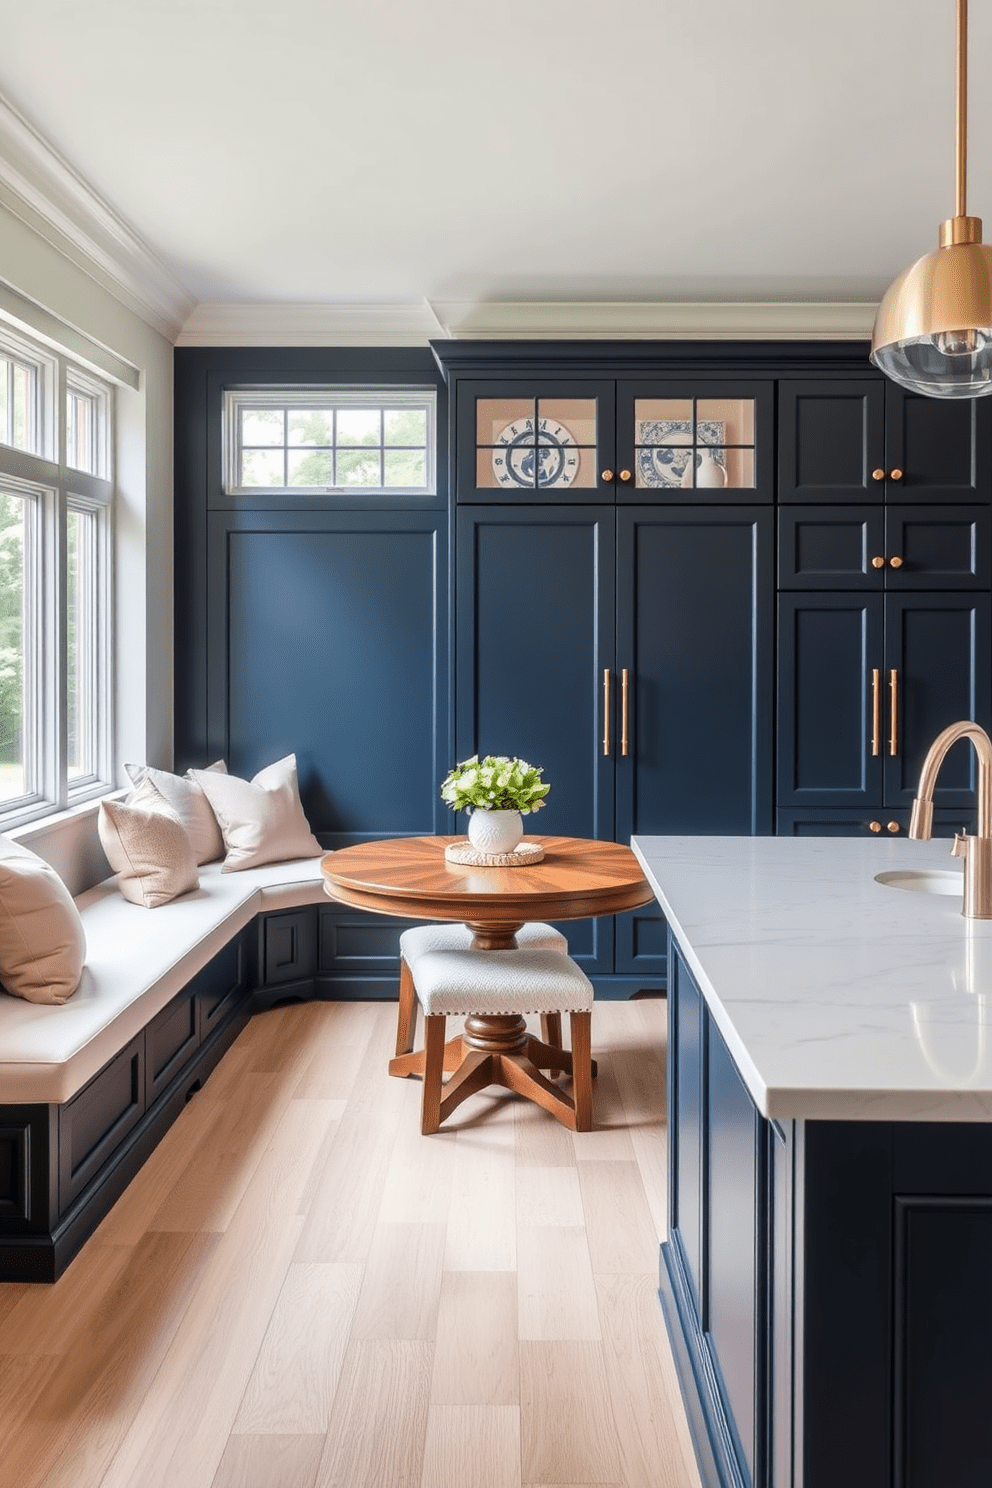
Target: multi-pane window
pixel 55 605
pixel 354 440
pixel 17 538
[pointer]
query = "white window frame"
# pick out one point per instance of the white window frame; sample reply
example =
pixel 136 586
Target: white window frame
pixel 52 489
pixel 327 398
pixel 18 351
pixel 99 394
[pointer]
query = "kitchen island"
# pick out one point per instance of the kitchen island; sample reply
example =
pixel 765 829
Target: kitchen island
pixel 827 1272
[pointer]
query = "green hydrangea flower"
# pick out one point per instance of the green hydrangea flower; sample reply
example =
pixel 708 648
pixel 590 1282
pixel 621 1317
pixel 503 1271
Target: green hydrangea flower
pixel 496 783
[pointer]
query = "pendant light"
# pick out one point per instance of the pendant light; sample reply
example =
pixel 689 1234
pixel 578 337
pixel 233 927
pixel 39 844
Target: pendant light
pixel 933 330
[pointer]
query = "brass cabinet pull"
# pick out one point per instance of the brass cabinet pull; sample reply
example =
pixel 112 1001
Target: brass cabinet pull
pixel 624 688
pixel 606 710
pixel 607 475
pixel 894 710
pixel 876 710
pixel 626 475
pixel 895 562
pixel 878 475
pixel 892 827
pixel 874 826
pixel 878 562
pixel 895 474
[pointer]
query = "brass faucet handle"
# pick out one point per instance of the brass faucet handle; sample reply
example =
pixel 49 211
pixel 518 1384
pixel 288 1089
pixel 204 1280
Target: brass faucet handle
pixel 959 847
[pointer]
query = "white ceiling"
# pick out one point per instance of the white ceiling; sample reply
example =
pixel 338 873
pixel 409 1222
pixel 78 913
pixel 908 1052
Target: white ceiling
pixel 550 150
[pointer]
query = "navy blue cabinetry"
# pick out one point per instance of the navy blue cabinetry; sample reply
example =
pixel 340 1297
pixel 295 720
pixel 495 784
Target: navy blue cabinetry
pixel 825 1283
pixel 324 640
pixel 535 633
pixel 866 683
pixel 628 651
pixel 894 548
pixel 867 440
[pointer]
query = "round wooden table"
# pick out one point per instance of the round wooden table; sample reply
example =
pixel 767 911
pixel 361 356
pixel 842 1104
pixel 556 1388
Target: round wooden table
pixel 578 878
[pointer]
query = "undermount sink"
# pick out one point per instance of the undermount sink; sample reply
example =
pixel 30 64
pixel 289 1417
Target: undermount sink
pixel 929 881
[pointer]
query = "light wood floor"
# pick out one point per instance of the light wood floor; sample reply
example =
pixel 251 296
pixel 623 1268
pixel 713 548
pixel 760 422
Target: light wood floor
pixel 301 1291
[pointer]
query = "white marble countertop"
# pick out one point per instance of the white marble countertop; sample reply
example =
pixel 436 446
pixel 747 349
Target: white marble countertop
pixel 839 998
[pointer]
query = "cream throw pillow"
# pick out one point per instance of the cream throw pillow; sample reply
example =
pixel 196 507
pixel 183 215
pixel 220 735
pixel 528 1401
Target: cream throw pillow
pixel 190 805
pixel 42 944
pixel 147 847
pixel 262 819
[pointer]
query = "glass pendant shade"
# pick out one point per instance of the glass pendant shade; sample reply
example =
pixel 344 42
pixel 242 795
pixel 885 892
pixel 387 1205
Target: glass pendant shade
pixel 933 330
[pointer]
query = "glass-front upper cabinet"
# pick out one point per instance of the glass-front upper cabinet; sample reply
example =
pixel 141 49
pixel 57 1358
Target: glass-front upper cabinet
pixel 695 444
pixel 615 441
pixel 536 441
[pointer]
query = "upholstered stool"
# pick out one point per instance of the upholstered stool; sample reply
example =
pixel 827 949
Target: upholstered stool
pixel 493 990
pixel 454 937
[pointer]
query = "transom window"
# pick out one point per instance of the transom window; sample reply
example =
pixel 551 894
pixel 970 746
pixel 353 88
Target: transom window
pixel 355 440
pixel 55 584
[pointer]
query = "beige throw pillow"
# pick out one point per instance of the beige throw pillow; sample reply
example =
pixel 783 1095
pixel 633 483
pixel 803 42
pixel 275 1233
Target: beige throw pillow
pixel 42 943
pixel 262 819
pixel 147 847
pixel 190 805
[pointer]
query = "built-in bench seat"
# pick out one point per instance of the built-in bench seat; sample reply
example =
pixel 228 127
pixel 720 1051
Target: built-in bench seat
pixel 137 960
pixel 88 1088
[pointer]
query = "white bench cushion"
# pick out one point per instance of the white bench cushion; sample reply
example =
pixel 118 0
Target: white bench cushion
pixel 420 939
pixel 137 960
pixel 498 982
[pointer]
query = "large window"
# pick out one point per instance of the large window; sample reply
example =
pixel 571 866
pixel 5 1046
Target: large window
pixel 350 441
pixel 55 592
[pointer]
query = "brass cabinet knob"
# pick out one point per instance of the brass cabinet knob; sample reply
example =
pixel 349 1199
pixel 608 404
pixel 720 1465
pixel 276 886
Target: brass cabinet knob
pixel 895 562
pixel 626 475
pixel 878 562
pixel 878 475
pixel 874 826
pixel 607 475
pixel 895 474
pixel 892 827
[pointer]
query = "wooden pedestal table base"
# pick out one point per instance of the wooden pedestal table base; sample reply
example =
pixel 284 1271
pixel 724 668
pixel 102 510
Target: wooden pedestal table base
pixel 499 1050
pixel 408 876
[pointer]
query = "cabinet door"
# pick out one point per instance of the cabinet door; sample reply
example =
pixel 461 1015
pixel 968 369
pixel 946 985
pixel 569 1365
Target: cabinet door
pixel 328 628
pixel 939 656
pixel 831 547
pixel 709 443
pixel 938 547
pixel 941 445
pixel 694 632
pixel 829 749
pixel 831 440
pixel 544 440
pixel 534 636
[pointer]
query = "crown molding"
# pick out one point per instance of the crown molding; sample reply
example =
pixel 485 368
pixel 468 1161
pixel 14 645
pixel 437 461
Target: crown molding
pixel 42 189
pixel 310 325
pixel 659 320
pixel 416 324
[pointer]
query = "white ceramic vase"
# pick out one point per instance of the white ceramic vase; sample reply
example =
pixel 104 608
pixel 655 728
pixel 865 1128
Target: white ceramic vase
pixel 495 831
pixel 708 473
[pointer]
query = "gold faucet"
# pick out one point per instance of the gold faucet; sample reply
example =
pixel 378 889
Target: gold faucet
pixel 977 850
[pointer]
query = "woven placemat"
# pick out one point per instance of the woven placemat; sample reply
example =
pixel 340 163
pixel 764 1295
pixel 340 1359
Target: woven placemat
pixel 464 852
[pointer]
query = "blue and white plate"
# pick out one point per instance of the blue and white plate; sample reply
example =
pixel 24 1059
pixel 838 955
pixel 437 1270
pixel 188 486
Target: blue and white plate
pixel 664 448
pixel 550 447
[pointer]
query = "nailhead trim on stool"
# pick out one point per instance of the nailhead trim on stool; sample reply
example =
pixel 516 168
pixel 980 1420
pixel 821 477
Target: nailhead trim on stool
pixel 420 939
pixel 494 990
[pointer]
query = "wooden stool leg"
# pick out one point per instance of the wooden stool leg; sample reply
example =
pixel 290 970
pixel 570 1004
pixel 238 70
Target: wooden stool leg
pixel 406 1021
pixel 430 1112
pixel 551 1029
pixel 581 1024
